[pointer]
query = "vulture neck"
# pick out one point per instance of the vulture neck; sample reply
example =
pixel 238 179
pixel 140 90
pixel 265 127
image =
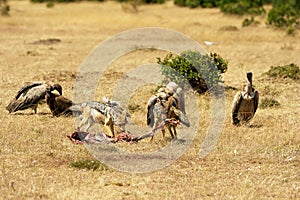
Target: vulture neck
pixel 248 88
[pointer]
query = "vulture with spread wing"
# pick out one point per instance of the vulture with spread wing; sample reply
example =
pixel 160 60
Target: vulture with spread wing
pixel 245 103
pixel 167 103
pixel 30 95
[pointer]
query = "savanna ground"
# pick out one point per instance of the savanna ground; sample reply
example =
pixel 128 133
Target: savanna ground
pixel 247 163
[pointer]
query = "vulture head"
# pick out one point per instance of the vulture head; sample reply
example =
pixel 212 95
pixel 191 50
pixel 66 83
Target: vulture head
pixel 56 87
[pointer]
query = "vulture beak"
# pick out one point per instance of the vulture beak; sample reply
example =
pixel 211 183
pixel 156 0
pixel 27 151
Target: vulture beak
pixel 58 88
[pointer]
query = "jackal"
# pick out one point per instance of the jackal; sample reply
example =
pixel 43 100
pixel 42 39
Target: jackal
pixel 108 113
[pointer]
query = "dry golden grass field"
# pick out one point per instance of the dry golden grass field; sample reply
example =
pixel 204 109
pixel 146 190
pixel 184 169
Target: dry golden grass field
pixel 262 162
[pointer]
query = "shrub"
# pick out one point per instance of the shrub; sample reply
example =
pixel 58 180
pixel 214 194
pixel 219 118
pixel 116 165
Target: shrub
pixel 197 3
pixel 240 7
pixel 249 22
pixel 284 14
pixel 4 8
pixel 153 1
pixel 287 71
pixel 269 103
pixel 50 4
pixel 144 1
pixel 59 1
pixel 202 72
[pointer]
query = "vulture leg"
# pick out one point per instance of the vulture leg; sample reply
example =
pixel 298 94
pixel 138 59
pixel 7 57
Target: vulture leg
pixel 170 131
pixel 175 132
pixel 35 108
pixel 163 133
pixel 256 99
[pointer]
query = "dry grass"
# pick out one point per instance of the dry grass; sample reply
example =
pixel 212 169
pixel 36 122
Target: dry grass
pixel 247 163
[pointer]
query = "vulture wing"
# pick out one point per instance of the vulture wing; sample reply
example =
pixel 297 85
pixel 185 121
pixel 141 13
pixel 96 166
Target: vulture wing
pixel 61 104
pixel 235 107
pixel 27 97
pixel 182 117
pixel 256 100
pixel 150 110
pixel 179 96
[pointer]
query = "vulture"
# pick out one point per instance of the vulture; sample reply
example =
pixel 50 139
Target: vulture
pixel 30 95
pixel 167 103
pixel 57 103
pixel 245 103
pixel 108 113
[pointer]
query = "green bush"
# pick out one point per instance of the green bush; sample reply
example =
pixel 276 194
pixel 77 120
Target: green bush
pixel 250 22
pixel 284 14
pixel 197 3
pixel 50 4
pixel 153 1
pixel 202 72
pixel 287 71
pixel 241 7
pixel 59 1
pixel 143 1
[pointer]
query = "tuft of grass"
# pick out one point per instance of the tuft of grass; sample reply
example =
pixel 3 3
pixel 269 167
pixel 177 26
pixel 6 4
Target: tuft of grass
pixel 134 107
pixel 270 91
pixel 50 4
pixel 89 165
pixel 291 71
pixel 269 103
pixel 250 22
pixel 229 28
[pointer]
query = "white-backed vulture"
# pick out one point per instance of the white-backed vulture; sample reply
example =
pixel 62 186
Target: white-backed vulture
pixel 29 96
pixel 107 112
pixel 167 103
pixel 245 103
pixel 56 102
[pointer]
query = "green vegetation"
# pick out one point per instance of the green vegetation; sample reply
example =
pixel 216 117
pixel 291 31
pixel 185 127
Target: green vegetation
pixel 89 165
pixel 4 8
pixel 287 71
pixel 269 103
pixel 58 1
pixel 50 4
pixel 227 6
pixel 68 1
pixel 197 3
pixel 250 22
pixel 285 14
pixel 200 70
pixel 241 7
